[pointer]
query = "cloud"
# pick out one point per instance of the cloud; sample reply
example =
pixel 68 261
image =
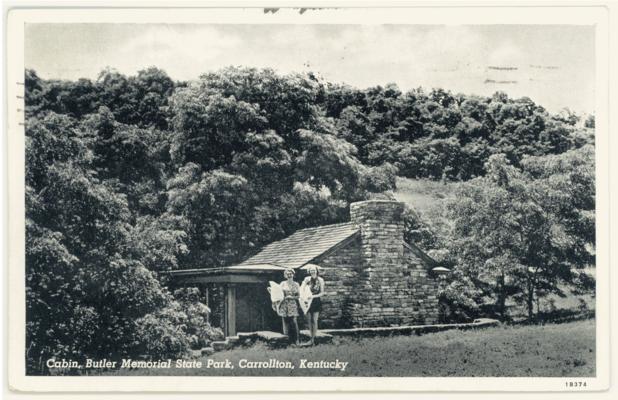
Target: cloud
pixel 454 57
pixel 183 52
pixel 505 55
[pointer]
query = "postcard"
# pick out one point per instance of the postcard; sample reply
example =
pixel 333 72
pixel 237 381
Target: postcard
pixel 367 198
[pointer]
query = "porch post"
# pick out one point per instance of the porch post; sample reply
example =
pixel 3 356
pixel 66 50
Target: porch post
pixel 230 310
pixel 205 287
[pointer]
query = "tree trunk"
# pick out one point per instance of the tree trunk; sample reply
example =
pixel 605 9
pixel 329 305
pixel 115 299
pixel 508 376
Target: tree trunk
pixel 501 302
pixel 530 301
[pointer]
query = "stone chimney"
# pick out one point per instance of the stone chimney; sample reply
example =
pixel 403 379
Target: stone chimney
pixel 381 226
pixel 383 285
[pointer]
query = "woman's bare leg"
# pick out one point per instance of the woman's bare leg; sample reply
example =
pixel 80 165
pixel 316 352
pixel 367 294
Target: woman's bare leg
pixel 295 322
pixel 314 325
pixel 309 324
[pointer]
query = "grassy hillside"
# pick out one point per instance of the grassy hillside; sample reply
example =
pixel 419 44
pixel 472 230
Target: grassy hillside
pixel 423 194
pixel 551 350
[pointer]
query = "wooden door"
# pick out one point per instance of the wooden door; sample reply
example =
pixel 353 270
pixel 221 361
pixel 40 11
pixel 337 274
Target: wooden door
pixel 253 309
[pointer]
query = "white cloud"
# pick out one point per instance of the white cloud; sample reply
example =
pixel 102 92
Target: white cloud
pixel 452 57
pixel 182 53
pixel 506 55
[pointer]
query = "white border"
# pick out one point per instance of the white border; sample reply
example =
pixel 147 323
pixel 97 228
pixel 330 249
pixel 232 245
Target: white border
pixel 597 16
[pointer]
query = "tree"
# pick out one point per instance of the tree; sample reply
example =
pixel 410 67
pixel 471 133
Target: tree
pixel 85 295
pixel 119 94
pixel 565 184
pixel 354 127
pixel 509 236
pixel 339 97
pixel 245 142
pixel 130 158
pixel 214 207
pixel 209 129
pixel 154 87
pixel 91 289
pixel 33 92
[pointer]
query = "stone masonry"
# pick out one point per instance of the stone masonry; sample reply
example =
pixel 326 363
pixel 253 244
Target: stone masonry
pixel 341 271
pixel 384 296
pixel 424 289
pixel 375 279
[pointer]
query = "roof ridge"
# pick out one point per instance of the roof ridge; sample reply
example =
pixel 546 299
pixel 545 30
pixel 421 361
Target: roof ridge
pixel 325 226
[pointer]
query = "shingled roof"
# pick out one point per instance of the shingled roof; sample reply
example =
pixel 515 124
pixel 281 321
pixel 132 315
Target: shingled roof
pixel 303 246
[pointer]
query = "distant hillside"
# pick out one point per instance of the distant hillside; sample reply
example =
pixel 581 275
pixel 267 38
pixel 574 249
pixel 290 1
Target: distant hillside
pixel 422 194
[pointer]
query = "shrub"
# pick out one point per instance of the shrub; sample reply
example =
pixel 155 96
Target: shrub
pixel 162 334
pixel 457 302
pixel 198 328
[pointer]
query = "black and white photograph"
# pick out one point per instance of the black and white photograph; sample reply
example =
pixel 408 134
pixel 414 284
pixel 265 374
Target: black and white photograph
pixel 227 199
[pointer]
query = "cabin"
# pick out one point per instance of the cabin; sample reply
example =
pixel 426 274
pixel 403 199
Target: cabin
pixel 373 276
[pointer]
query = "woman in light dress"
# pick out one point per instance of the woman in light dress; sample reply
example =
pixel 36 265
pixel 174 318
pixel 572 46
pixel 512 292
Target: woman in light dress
pixel 288 309
pixel 316 285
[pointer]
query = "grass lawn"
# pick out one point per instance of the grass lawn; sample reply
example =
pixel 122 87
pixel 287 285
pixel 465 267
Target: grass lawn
pixel 552 350
pixel 422 194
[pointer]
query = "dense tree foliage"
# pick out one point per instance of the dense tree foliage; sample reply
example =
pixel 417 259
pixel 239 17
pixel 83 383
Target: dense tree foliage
pixel 523 233
pixel 90 281
pixel 131 176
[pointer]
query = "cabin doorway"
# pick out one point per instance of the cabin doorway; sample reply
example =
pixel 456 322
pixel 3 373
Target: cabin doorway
pixel 253 309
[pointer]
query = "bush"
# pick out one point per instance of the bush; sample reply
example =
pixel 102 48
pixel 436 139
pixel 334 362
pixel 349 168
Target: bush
pixel 457 302
pixel 175 329
pixel 199 330
pixel 162 334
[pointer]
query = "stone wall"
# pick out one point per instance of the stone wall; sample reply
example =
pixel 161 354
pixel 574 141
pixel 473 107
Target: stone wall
pixel 424 291
pixel 375 280
pixel 415 304
pixel 341 270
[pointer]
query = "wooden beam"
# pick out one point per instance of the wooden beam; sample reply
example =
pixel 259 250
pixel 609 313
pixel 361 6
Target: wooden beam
pixel 230 310
pixel 236 278
pixel 207 302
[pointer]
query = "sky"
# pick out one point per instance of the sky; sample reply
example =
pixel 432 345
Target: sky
pixel 554 65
